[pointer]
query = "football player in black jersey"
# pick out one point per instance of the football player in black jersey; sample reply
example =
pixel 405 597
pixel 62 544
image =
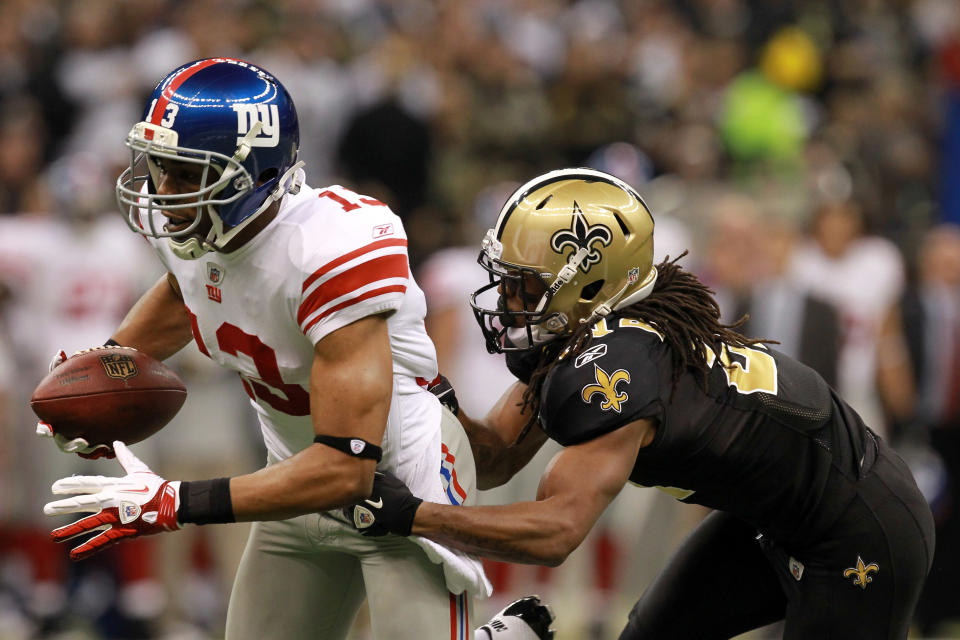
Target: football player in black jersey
pixel 625 363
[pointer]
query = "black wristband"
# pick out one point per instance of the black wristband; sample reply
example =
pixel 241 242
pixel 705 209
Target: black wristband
pixel 205 502
pixel 111 343
pixel 356 447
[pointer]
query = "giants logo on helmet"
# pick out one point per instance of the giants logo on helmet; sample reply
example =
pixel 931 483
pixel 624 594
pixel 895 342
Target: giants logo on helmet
pixel 267 115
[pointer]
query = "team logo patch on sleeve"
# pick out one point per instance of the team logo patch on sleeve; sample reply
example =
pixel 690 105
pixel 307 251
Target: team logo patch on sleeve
pixel 606 386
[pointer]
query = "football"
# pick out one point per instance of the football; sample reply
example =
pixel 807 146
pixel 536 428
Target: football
pixel 109 393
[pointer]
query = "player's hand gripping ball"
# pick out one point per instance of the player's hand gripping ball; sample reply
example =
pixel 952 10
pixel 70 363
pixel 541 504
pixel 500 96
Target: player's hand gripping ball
pixel 104 394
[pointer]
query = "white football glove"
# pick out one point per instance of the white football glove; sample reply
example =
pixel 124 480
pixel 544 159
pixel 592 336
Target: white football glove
pixel 523 619
pixel 138 504
pixel 79 446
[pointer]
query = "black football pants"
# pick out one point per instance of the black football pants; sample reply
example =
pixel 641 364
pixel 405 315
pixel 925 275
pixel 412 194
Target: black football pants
pixel 861 581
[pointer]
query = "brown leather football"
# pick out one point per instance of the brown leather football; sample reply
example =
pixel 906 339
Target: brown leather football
pixel 109 393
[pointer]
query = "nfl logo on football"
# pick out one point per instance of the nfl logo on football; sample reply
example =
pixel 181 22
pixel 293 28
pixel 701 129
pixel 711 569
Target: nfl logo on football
pixel 119 366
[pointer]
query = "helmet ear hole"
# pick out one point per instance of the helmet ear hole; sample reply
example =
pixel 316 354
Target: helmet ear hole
pixel 267 175
pixel 590 291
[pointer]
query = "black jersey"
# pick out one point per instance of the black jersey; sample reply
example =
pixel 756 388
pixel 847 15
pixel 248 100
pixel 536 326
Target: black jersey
pixel 763 437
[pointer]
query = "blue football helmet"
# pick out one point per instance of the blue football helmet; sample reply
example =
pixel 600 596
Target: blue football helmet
pixel 239 124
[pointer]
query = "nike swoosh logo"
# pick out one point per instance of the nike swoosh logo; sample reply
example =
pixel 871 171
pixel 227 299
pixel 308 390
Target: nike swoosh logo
pixel 144 490
pixel 376 505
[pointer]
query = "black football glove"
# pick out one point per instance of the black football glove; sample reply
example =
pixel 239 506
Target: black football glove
pixel 445 393
pixel 389 509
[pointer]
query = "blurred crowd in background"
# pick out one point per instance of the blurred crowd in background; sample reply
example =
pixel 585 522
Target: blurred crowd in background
pixel 805 152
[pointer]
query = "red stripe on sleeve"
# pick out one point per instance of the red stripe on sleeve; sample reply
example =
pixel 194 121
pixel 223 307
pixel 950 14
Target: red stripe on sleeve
pixel 195 329
pixel 389 266
pixel 373 293
pixel 333 264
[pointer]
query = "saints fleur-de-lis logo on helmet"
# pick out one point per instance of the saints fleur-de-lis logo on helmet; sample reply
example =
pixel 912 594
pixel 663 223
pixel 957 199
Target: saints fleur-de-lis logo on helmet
pixel 606 385
pixel 861 573
pixel 582 235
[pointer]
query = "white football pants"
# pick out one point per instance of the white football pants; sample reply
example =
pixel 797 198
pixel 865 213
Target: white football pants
pixel 306 577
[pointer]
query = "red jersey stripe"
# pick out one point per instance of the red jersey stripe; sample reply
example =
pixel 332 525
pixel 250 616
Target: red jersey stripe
pixel 160 108
pixel 333 264
pixel 399 288
pixel 393 265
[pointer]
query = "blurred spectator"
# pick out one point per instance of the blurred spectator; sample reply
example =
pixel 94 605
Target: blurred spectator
pixel 861 275
pixel 748 264
pixel 930 315
pixel 21 155
pixel 435 102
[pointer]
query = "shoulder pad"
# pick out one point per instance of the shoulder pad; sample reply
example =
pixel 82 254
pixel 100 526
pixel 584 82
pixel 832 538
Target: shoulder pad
pixel 616 380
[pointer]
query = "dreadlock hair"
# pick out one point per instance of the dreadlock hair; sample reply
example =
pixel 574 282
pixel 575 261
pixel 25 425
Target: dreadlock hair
pixel 680 307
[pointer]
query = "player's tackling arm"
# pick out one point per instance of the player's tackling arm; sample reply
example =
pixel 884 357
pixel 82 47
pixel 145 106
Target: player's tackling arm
pixel 158 324
pixel 493 439
pixel 350 388
pixel 578 485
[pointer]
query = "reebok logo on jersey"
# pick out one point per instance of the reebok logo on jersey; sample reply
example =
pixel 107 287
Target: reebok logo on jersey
pixel 382 230
pixel 591 354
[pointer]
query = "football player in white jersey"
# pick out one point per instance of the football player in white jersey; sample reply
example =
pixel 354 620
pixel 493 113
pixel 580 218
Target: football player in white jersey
pixel 307 294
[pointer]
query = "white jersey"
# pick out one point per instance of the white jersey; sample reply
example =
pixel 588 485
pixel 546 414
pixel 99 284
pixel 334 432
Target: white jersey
pixel 329 258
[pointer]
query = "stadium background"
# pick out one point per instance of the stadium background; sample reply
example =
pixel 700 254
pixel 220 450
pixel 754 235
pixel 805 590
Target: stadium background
pixel 805 152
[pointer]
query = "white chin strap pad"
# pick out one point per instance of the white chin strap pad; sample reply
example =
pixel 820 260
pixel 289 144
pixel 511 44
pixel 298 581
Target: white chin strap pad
pixel 191 249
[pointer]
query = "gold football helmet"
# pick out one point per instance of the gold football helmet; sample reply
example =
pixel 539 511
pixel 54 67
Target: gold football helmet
pixel 584 237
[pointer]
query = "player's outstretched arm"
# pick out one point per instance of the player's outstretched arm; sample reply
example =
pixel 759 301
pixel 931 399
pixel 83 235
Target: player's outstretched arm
pixel 159 323
pixel 351 383
pixel 498 449
pixel 578 485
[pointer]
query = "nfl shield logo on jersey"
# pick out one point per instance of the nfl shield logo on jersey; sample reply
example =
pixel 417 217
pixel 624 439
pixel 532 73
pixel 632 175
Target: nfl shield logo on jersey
pixel 796 568
pixel 214 273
